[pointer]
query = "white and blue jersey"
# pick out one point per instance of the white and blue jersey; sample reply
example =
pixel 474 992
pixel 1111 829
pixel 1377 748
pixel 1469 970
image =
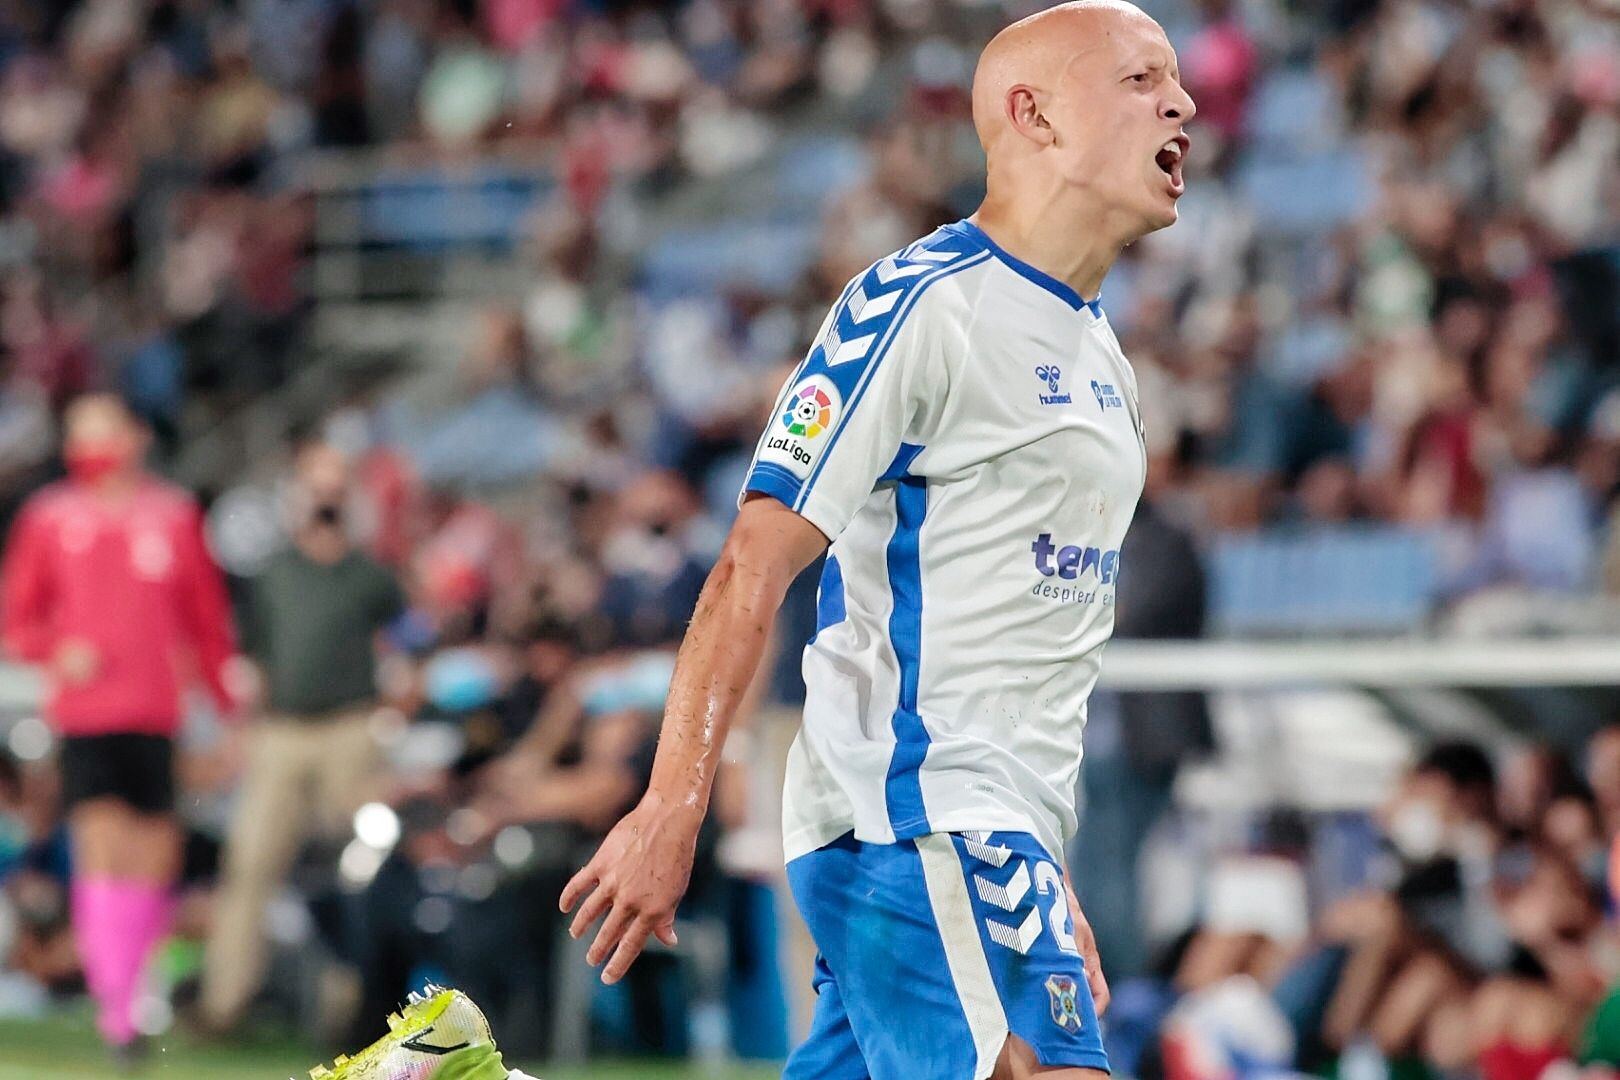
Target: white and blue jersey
pixel 965 430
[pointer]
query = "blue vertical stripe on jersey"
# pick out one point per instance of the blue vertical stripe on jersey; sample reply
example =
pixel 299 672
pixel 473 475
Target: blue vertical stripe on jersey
pixel 902 462
pixel 903 786
pixel 829 597
pixel 892 323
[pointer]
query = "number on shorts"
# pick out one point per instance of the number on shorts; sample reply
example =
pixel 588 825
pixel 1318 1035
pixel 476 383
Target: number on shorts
pixel 1009 896
pixel 1048 881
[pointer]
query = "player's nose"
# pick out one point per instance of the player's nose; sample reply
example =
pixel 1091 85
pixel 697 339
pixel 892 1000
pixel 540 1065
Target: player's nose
pixel 1176 104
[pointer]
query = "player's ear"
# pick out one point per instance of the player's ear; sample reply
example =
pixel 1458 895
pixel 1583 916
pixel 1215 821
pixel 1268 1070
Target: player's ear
pixel 1025 115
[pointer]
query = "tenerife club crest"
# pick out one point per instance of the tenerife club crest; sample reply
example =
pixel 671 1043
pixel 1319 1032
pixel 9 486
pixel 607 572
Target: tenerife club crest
pixel 1064 992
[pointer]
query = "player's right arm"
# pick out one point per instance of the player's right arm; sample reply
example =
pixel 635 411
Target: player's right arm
pixel 854 415
pixel 643 866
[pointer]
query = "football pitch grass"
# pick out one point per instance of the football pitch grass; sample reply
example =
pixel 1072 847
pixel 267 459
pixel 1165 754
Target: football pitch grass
pixel 66 1048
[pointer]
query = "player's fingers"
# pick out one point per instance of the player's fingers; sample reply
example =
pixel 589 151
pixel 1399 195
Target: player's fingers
pixel 612 928
pixel 591 910
pixel 1083 934
pixel 666 933
pixel 1097 981
pixel 1100 994
pixel 630 946
pixel 1087 940
pixel 576 886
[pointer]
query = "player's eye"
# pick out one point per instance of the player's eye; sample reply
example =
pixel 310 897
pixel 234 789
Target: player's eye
pixel 1139 78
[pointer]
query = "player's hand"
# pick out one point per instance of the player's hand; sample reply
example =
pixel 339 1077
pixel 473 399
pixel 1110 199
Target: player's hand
pixel 1087 941
pixel 639 875
pixel 76 661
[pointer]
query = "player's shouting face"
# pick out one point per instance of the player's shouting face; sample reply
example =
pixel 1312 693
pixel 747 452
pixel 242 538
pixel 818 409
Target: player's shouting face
pixel 1126 107
pixel 1090 98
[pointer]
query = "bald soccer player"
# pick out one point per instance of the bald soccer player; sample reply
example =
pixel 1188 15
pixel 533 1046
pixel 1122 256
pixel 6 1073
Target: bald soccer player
pixel 964 433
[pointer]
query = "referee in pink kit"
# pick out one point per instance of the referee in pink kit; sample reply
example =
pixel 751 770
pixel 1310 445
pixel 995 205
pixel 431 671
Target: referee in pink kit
pixel 109 585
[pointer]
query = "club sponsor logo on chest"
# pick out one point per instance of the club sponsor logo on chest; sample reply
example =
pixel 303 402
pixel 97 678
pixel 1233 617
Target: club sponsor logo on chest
pixel 1092 570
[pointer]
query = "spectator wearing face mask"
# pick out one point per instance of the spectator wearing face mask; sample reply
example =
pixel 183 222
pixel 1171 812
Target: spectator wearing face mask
pixel 653 573
pixel 1413 948
pixel 315 614
pixel 109 585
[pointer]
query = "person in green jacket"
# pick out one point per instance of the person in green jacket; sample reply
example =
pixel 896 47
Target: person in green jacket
pixel 316 612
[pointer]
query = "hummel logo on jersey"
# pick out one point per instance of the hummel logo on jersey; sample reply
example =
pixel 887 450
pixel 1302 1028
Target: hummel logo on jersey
pixel 1050 374
pixel 1107 397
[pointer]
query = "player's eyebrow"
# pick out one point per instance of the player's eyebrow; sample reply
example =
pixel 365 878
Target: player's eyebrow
pixel 1154 63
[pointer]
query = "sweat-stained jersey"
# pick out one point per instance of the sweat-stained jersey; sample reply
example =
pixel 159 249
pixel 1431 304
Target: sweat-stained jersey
pixel 965 430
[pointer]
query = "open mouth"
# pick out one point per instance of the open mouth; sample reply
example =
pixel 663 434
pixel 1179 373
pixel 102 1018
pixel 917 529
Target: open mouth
pixel 1169 159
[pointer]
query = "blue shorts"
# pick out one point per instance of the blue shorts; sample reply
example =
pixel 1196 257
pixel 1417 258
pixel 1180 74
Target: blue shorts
pixel 932 951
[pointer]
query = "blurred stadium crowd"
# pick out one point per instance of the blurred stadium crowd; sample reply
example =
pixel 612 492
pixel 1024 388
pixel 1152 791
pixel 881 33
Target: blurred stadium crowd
pixel 1391 312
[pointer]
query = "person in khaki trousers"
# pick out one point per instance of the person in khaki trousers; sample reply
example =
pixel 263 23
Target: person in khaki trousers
pixel 312 623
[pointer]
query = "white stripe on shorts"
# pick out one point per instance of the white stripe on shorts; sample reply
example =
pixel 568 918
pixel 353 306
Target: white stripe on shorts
pixel 964 952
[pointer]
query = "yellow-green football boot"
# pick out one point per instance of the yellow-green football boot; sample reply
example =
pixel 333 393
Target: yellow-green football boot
pixel 439 1035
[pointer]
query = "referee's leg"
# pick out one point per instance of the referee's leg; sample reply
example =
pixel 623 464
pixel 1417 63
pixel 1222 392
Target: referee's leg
pixel 119 793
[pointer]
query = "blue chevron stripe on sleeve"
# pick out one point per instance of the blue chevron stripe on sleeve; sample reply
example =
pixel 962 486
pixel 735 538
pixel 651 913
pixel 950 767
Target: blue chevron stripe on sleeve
pixel 853 379
pixel 852 348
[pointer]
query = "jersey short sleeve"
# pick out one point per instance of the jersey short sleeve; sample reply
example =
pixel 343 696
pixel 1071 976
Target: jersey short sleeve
pixel 865 393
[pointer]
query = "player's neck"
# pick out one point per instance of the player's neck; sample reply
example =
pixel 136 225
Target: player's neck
pixel 1071 247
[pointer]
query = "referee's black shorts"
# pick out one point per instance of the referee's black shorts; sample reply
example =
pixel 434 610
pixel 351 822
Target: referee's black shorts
pixel 137 769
